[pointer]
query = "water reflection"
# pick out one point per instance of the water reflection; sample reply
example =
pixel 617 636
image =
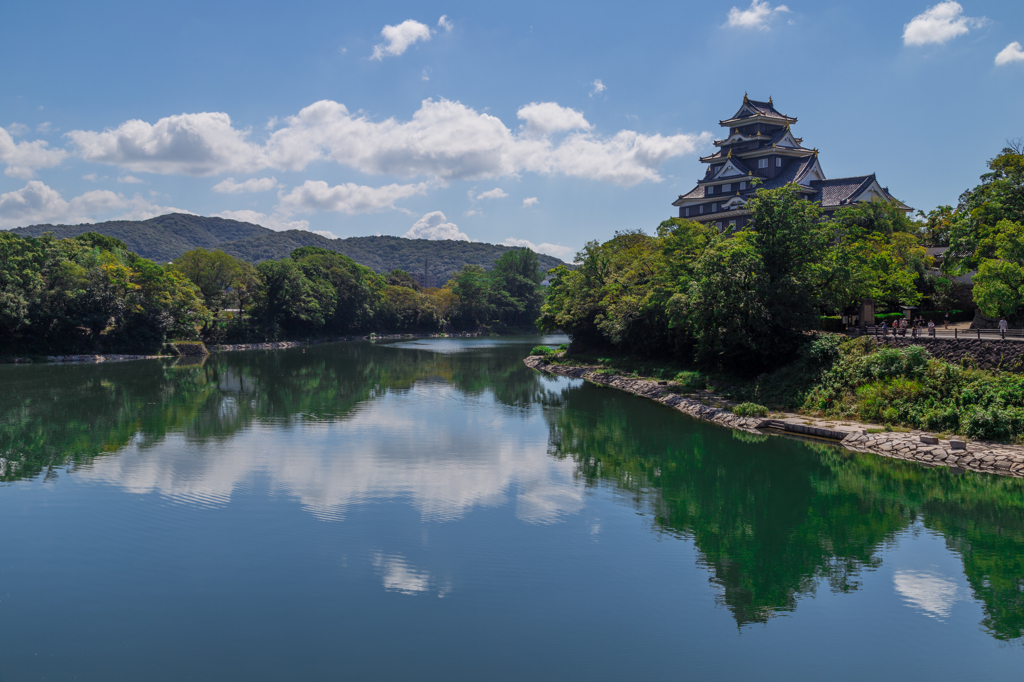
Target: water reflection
pixel 448 430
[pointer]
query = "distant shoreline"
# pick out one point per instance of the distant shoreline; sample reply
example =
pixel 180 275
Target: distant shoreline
pixel 97 358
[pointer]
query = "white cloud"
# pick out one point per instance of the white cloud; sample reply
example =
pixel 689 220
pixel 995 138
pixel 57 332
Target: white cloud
pixel 549 117
pixel 939 24
pixel 17 129
pixel 317 195
pixel 530 202
pixel 185 144
pixel 38 203
pixel 496 193
pixel 444 23
pixel 397 39
pixel 426 75
pixel 129 179
pixel 469 213
pixel 1011 53
pixel 557 250
pixel 436 226
pixel 92 177
pixel 44 127
pixel 274 222
pixel 927 591
pixel 759 15
pixel 325 233
pixel 23 158
pixel 229 186
pixel 599 87
pixel 443 140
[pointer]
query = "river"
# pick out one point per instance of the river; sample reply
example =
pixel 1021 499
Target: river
pixel 431 509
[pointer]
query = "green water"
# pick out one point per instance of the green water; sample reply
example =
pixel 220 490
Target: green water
pixel 432 509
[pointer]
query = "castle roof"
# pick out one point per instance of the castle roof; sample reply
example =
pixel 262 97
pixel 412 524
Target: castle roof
pixel 753 109
pixel 841 191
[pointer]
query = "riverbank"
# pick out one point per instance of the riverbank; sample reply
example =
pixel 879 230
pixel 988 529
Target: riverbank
pixel 922 447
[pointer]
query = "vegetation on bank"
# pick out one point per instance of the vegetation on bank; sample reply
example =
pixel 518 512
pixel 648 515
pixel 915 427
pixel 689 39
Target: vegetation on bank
pixel 90 293
pixel 842 378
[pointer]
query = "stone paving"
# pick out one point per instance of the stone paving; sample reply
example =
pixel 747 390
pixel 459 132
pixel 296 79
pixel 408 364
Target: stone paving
pixel 918 446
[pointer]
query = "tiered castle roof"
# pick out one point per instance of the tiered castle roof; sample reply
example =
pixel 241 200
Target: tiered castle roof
pixel 761 145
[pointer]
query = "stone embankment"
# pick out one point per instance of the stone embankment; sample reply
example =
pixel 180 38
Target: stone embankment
pixel 1007 355
pixel 916 446
pixel 92 359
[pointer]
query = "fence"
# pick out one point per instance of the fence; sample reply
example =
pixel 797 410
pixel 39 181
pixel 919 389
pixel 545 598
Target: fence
pixel 940 333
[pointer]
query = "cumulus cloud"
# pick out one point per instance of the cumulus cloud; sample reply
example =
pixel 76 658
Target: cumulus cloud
pixel 45 127
pixel 229 186
pixel 443 140
pixel 530 202
pixel 275 221
pixel 557 250
pixel 38 203
pixel 24 158
pixel 397 39
pixel 759 15
pixel 17 129
pixel 317 195
pixel 599 87
pixel 549 117
pixel 445 24
pixel 496 193
pixel 939 24
pixel 436 226
pixel 1011 53
pixel 185 144
pixel 129 180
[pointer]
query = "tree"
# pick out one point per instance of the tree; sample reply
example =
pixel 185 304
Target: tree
pixel 999 284
pixel 517 274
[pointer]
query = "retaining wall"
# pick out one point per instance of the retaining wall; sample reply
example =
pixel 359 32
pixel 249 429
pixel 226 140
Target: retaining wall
pixel 1006 355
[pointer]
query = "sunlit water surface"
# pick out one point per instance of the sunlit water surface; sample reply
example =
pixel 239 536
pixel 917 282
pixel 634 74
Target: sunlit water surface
pixel 431 509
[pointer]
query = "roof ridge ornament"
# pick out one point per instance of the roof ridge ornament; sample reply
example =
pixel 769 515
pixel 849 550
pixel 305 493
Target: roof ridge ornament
pixel 770 100
pixel 745 100
pixel 730 154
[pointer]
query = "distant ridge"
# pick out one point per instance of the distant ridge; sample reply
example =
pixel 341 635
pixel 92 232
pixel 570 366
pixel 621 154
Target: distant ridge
pixel 166 237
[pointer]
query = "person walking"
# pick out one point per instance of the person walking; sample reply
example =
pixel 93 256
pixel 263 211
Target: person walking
pixel 1003 326
pixel 885 329
pixel 931 328
pixel 946 321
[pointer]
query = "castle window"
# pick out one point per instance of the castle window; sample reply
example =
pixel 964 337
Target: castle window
pixel 702 209
pixel 726 188
pixel 762 163
pixel 743 186
pixel 711 189
pixel 714 208
pixel 778 162
pixel 719 225
pixel 687 213
pixel 732 224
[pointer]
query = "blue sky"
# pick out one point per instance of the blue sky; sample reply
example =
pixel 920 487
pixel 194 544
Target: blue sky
pixel 540 123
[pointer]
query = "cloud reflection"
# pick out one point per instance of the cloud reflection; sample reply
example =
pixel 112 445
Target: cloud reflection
pixel 433 446
pixel 931 593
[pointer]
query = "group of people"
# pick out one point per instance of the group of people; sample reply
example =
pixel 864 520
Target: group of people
pixel 901 325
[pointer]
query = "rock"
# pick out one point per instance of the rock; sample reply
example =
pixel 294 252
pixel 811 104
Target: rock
pixel 957 445
pixel 930 440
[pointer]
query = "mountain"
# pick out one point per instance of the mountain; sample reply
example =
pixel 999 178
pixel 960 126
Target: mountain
pixel 164 238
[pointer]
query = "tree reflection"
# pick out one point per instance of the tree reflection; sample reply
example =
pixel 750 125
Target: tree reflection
pixel 773 519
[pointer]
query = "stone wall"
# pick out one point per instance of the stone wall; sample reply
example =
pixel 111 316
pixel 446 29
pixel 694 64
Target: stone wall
pixel 1005 355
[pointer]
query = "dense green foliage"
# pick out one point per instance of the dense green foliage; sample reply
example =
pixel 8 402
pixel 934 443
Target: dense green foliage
pixel 91 293
pixel 166 238
pixel 742 300
pixel 907 387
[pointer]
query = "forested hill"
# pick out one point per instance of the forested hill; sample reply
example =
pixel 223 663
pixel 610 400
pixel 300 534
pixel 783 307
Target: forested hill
pixel 164 238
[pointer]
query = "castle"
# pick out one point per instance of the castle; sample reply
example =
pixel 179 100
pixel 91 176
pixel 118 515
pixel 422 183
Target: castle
pixel 761 145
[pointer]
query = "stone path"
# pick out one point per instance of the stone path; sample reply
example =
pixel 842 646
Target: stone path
pixel 918 446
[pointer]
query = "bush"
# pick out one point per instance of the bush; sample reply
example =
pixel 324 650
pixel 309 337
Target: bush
pixel 750 410
pixel 541 350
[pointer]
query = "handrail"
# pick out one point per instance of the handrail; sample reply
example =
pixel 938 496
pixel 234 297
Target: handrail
pixel 940 332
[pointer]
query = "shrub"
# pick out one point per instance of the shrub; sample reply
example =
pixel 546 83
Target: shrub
pixel 750 410
pixel 690 381
pixel 541 350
